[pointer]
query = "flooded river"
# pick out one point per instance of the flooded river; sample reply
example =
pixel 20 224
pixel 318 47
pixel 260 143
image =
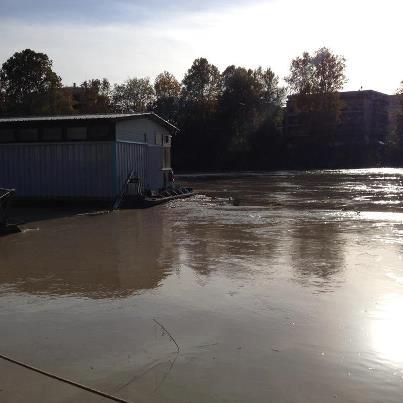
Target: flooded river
pixel 286 287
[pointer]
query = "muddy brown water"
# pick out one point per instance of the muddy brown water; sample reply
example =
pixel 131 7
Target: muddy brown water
pixel 294 295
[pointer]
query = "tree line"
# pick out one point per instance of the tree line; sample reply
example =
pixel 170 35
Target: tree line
pixel 228 120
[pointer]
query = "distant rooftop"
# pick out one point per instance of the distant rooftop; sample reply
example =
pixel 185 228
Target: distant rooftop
pixel 365 92
pixel 362 92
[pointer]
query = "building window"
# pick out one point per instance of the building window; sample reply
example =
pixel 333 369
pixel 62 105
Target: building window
pixel 158 139
pixel 52 134
pixel 28 135
pixel 167 140
pixel 98 132
pixel 7 136
pixel 76 133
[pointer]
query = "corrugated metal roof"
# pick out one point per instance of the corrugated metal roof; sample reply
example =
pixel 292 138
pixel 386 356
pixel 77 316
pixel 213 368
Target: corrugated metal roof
pixel 114 116
pixel 71 117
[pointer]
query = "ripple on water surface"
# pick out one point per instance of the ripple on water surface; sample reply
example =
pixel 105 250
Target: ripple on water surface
pixel 284 286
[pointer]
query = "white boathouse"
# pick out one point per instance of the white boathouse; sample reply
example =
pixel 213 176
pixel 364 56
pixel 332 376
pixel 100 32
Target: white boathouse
pixel 84 156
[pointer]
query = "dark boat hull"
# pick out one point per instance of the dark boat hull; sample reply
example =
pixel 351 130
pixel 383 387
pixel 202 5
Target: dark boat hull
pixel 148 201
pixel 154 201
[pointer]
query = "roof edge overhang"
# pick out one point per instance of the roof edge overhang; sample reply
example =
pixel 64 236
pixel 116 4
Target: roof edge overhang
pixel 91 118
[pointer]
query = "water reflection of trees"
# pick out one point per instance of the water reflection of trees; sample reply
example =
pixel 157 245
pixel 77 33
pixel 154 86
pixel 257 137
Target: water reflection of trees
pixel 221 244
pixel 98 257
pixel 317 254
pixel 314 251
pixel 123 253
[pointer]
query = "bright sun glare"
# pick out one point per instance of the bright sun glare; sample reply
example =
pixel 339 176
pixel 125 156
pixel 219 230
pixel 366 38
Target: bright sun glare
pixel 387 330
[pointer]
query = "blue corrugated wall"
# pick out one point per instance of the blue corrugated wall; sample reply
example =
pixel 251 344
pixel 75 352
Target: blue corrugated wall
pixel 130 156
pixel 78 170
pixel 154 177
pixel 146 161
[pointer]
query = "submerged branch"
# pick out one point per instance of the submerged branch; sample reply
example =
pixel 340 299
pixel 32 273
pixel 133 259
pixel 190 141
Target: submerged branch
pixel 169 334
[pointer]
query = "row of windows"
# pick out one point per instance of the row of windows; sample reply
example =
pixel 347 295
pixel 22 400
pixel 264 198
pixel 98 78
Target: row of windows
pixel 50 134
pixel 162 140
pixel 77 133
pixel 154 139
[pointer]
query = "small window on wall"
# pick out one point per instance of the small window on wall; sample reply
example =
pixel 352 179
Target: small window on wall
pixel 167 140
pixel 158 139
pixel 145 137
pixel 27 135
pixel 76 133
pixel 52 134
pixel 99 132
pixel 7 136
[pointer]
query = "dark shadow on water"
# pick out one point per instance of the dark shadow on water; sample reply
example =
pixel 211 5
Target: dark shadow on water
pixel 108 256
pixel 25 212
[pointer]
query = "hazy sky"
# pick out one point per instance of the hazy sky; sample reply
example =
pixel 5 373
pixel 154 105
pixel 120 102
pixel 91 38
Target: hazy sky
pixel 118 39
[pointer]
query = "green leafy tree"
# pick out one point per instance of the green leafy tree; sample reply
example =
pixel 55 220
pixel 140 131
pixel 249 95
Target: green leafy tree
pixel 31 87
pixel 314 82
pixel 167 86
pixel 229 120
pixel 134 95
pixel 93 96
pixel 202 82
pixel 239 107
pixel 167 93
pixel 250 113
pixel 271 93
pixel 201 88
pixel 320 73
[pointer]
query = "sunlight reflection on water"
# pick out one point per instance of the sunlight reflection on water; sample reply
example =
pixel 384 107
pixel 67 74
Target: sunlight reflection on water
pixel 387 329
